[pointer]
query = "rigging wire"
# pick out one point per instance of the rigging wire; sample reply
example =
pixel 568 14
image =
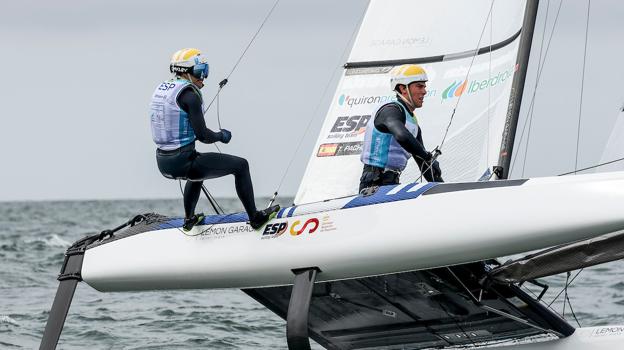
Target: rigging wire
pixel 489 114
pixel 593 166
pixel 253 38
pixel 572 310
pixel 216 97
pixel 476 53
pixel 318 105
pixel 211 199
pixel 532 107
pixel 566 300
pixel 578 132
pixel 438 150
pixel 524 287
pixel 218 121
pixel 565 293
pixel 539 75
pixel 566 286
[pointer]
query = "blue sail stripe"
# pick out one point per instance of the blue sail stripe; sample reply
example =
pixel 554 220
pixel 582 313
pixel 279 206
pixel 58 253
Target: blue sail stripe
pixel 382 196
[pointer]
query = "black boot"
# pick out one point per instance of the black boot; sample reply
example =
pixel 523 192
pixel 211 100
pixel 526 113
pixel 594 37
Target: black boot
pixel 263 216
pixel 189 223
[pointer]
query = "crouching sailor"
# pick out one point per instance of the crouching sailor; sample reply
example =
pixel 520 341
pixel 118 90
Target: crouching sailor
pixel 177 120
pixel 394 134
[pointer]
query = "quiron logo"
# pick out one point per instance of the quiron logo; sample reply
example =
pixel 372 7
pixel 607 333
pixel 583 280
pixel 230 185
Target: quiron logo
pixel 364 100
pixel 457 88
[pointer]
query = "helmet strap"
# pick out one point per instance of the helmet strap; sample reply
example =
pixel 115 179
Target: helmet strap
pixel 409 102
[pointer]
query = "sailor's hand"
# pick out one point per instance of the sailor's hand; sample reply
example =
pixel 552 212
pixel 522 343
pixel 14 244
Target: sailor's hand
pixel 437 172
pixel 429 157
pixel 431 171
pixel 226 136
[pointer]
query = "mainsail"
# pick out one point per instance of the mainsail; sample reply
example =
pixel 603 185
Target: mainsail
pixel 469 50
pixel 614 148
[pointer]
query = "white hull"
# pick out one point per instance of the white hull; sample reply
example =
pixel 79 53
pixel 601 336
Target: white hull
pixel 400 235
pixel 589 338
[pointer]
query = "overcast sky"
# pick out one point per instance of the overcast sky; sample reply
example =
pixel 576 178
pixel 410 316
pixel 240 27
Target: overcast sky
pixel 78 76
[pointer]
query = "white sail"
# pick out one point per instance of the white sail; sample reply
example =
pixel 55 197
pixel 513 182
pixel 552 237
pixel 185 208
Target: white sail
pixel 614 148
pixel 443 41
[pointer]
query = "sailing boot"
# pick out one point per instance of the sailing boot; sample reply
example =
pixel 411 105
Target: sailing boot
pixel 263 216
pixel 189 223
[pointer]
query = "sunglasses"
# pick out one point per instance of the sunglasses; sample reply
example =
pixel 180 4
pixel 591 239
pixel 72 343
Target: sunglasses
pixel 200 71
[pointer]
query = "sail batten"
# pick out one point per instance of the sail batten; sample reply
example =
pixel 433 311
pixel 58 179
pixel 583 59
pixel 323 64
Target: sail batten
pixel 432 59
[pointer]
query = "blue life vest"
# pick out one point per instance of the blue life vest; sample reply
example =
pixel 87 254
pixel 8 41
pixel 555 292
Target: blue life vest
pixel 171 127
pixel 382 149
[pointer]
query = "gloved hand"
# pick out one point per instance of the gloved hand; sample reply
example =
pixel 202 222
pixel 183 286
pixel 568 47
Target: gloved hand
pixel 226 136
pixel 437 172
pixel 431 171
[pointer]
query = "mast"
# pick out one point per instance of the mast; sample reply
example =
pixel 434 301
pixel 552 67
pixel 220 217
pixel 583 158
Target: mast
pixel 517 88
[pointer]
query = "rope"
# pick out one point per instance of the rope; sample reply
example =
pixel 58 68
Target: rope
pixel 578 130
pixel 318 105
pixel 539 75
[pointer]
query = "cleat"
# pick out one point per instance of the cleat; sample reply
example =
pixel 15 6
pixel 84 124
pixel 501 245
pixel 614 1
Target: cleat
pixel 263 216
pixel 192 221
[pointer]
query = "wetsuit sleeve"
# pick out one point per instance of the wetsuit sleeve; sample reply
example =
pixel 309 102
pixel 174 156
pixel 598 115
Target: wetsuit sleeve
pixel 191 103
pixel 391 119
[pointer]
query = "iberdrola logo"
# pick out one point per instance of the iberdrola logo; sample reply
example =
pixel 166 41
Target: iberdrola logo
pixel 455 89
pixel 458 88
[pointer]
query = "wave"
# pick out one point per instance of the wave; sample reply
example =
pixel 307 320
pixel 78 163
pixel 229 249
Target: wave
pixel 50 241
pixel 8 320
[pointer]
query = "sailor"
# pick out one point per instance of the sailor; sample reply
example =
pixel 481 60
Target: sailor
pixel 177 119
pixel 393 134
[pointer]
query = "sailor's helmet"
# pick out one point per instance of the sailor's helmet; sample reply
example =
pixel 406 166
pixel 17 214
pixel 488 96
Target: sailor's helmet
pixel 407 74
pixel 189 61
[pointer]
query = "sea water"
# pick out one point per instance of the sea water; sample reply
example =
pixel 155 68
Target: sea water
pixel 35 235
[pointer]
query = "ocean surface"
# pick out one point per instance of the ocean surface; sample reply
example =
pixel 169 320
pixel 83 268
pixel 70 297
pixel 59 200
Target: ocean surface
pixel 35 235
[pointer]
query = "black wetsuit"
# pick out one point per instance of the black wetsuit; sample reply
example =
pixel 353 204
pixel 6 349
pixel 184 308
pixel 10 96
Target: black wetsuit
pixel 186 162
pixel 391 119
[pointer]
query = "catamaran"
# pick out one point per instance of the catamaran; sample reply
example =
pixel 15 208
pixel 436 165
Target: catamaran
pixel 409 266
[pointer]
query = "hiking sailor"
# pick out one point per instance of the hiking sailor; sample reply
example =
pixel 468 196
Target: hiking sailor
pixel 177 119
pixel 394 134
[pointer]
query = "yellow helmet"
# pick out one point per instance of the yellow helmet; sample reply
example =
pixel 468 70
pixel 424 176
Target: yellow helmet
pixel 189 61
pixel 406 74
